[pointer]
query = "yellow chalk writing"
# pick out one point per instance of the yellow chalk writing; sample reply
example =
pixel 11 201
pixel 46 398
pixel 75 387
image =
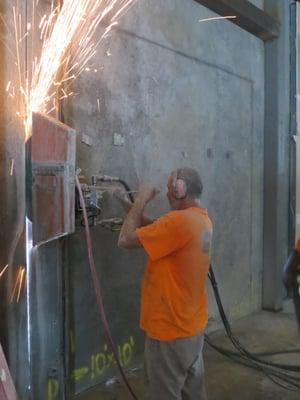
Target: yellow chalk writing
pixel 52 390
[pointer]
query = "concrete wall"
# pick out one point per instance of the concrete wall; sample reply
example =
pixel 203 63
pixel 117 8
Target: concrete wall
pixel 278 159
pixel 180 92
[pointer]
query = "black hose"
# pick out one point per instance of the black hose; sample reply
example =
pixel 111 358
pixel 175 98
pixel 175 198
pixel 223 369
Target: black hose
pixel 234 340
pixel 277 353
pixel 128 190
pixel 270 373
pixel 269 368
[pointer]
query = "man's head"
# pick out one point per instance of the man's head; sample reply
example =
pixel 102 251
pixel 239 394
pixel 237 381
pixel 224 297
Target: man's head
pixel 184 187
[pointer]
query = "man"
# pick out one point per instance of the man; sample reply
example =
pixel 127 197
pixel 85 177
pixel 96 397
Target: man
pixel 174 299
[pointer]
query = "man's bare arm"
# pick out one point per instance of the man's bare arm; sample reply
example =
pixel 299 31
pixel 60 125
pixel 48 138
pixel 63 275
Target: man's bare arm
pixel 127 205
pixel 134 219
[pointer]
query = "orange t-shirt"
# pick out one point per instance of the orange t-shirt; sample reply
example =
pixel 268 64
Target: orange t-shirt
pixel 174 297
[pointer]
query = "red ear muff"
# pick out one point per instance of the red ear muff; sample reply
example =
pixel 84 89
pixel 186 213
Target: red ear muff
pixel 180 189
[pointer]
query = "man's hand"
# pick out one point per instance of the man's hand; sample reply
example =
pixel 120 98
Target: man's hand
pixel 122 197
pixel 146 193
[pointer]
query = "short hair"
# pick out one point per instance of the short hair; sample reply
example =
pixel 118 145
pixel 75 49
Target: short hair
pixel 191 177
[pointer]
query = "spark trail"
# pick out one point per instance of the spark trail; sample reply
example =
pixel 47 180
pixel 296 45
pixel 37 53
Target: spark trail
pixel 69 36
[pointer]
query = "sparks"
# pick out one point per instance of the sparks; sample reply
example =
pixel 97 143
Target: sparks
pixel 70 36
pixel 3 270
pixel 8 86
pixel 217 18
pixel 22 281
pixel 18 285
pixel 12 163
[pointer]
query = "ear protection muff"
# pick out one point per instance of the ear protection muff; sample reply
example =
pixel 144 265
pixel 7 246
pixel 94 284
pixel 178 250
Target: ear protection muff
pixel 179 188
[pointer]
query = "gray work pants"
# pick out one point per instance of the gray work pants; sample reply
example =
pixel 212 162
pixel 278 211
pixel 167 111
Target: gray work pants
pixel 174 370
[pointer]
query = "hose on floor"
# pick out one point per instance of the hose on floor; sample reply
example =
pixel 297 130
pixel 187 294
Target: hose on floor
pixel 271 369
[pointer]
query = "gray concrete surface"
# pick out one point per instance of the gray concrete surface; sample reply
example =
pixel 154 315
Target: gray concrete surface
pixel 226 380
pixel 180 92
pixel 278 167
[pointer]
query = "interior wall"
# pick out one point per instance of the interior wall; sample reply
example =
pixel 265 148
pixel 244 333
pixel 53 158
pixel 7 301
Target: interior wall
pixel 178 92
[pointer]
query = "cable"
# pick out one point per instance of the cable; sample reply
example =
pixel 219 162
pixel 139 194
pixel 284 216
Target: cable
pixel 236 357
pixel 128 190
pixel 108 178
pixel 236 342
pixel 269 368
pixel 276 353
pixel 97 290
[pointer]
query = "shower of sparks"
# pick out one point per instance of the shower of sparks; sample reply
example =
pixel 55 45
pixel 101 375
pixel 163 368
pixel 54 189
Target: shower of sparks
pixel 217 18
pixel 69 37
pixel 12 163
pixel 3 270
pixel 20 282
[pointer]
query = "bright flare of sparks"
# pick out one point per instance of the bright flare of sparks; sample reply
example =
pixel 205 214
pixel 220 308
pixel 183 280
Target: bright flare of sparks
pixel 69 42
pixel 217 18
pixel 69 37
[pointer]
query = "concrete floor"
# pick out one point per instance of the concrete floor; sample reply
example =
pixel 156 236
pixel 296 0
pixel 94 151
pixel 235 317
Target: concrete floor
pixel 227 380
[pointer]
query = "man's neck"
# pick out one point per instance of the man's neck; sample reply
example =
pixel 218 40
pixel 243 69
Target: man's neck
pixel 188 203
